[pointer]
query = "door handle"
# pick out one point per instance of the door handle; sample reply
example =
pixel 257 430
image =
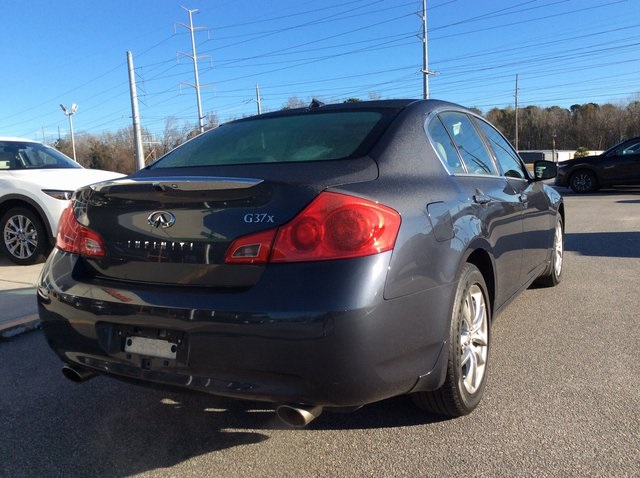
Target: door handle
pixel 523 198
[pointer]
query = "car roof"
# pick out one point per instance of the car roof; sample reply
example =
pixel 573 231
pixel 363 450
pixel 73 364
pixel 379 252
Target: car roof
pixel 393 104
pixel 17 140
pixel 346 106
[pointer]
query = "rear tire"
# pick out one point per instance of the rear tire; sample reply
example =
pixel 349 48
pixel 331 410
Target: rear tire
pixel 24 237
pixel 469 341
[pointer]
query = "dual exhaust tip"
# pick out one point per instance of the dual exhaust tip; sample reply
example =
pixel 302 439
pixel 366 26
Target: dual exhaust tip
pixel 297 416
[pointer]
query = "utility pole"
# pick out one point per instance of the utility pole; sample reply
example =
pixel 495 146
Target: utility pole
pixel 425 54
pixel 194 57
pixel 258 98
pixel 137 137
pixel 516 138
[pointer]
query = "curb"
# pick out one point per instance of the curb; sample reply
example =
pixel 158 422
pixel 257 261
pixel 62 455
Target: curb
pixel 18 301
pixel 19 326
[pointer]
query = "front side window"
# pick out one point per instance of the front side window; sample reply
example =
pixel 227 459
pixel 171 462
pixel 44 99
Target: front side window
pixel 474 153
pixel 319 136
pixel 633 148
pixel 506 156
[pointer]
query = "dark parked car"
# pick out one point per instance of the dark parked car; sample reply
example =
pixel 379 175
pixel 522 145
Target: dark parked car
pixel 617 166
pixel 317 258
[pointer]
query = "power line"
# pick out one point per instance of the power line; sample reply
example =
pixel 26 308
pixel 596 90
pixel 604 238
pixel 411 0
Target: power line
pixel 325 42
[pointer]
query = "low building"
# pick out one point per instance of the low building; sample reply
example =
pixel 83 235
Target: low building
pixel 559 155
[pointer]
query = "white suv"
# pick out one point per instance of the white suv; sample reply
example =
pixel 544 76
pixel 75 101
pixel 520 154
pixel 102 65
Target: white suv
pixel 36 182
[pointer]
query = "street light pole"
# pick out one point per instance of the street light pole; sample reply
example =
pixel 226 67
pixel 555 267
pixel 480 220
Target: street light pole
pixel 70 112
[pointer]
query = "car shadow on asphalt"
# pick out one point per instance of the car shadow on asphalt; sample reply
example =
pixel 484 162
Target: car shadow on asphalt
pixel 389 413
pixel 106 427
pixel 604 244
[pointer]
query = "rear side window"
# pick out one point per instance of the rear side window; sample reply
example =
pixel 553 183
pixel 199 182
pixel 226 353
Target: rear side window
pixel 505 155
pixel 468 142
pixel 444 147
pixel 298 137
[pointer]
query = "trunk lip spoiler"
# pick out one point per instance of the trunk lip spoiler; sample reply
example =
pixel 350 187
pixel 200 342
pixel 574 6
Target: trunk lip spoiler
pixel 182 183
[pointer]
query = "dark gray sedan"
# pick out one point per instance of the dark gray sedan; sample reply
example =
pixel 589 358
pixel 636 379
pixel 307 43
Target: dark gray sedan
pixel 317 258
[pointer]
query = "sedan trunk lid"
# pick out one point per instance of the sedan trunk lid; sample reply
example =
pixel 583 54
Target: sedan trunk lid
pixel 169 229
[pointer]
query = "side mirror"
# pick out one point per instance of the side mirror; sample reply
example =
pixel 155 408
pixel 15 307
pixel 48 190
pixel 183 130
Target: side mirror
pixel 544 170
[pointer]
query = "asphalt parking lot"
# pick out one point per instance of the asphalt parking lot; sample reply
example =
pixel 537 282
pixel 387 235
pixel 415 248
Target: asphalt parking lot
pixel 562 397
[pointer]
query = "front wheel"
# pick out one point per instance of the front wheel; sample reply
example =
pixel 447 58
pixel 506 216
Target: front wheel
pixel 583 181
pixel 24 239
pixel 469 343
pixel 553 275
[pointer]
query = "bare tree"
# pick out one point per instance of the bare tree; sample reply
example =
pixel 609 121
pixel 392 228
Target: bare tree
pixel 211 121
pixel 294 102
pixel 172 136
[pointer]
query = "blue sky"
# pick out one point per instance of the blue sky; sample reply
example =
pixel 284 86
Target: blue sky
pixel 74 51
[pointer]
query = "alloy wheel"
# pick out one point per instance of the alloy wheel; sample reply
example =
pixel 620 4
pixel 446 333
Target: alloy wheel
pixel 583 182
pixel 474 339
pixel 20 237
pixel 558 250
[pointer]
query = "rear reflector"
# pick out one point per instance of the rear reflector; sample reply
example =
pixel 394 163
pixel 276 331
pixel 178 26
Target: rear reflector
pixel 333 226
pixel 253 249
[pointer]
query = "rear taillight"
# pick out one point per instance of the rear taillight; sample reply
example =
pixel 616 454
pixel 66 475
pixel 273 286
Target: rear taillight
pixel 333 226
pixel 75 238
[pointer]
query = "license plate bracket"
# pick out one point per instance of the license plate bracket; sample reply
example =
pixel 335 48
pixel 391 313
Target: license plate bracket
pixel 151 347
pixel 145 347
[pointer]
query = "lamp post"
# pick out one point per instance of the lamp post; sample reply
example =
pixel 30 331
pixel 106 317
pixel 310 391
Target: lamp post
pixel 70 112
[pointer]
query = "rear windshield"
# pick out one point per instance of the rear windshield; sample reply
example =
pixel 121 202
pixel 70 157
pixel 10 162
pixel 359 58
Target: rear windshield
pixel 276 139
pixel 25 155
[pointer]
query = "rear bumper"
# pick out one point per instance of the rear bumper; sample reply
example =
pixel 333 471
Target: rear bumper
pixel 295 337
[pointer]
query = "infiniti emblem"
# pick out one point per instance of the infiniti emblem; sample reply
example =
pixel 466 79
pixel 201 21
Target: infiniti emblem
pixel 161 219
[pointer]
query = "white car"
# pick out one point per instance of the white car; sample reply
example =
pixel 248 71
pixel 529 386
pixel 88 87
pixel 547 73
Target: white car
pixel 36 183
